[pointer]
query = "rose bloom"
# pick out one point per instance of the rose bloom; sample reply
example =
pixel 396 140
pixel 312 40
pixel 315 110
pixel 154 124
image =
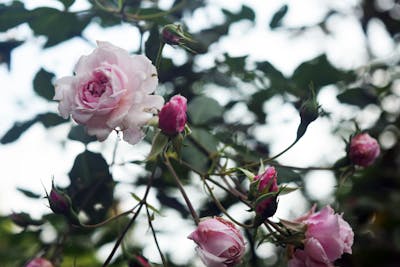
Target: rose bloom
pixel 327 237
pixel 219 243
pixel 268 182
pixel 110 90
pixel 172 117
pixel 364 149
pixel 39 262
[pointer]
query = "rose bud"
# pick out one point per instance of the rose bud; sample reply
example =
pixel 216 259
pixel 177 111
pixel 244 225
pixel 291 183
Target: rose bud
pixel 363 149
pixel 59 202
pixel 266 206
pixel 327 237
pixel 309 112
pixel 139 261
pixel 172 117
pixel 174 35
pixel 219 243
pixel 39 262
pixel 111 90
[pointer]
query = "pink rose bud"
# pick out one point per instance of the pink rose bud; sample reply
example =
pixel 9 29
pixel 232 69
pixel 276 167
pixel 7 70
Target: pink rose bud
pixel 219 243
pixel 139 261
pixel 59 202
pixel 39 262
pixel 327 237
pixel 364 149
pixel 172 117
pixel 111 90
pixel 268 184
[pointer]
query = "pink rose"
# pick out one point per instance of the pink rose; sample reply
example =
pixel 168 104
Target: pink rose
pixel 110 90
pixel 220 244
pixel 268 184
pixel 327 237
pixel 39 262
pixel 364 149
pixel 172 117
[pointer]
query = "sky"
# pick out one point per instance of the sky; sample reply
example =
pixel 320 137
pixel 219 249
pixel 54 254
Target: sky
pixel 41 154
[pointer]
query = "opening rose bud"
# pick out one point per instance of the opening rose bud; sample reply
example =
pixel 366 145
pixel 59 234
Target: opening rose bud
pixel 266 207
pixel 327 237
pixel 111 90
pixel 219 243
pixel 172 117
pixel 363 150
pixel 39 262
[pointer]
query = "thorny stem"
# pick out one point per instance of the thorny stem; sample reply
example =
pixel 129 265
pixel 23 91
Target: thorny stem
pixel 223 210
pixel 128 226
pixel 155 238
pixel 180 186
pixel 276 227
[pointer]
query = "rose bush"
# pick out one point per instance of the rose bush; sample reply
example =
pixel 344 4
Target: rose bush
pixel 327 237
pixel 110 90
pixel 219 243
pixel 172 117
pixel 364 149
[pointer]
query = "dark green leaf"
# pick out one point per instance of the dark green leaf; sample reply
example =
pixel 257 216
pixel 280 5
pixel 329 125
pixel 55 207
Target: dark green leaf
pixel 42 84
pixel 92 186
pixel 276 20
pixel 160 140
pixel 203 109
pixel 12 15
pixel 318 72
pixel 256 104
pixel 245 13
pixel 5 51
pixel 70 25
pixel 47 119
pixel 50 119
pixel 67 3
pixel 29 193
pixel 16 131
pixel 152 44
pixel 78 133
pixel 360 97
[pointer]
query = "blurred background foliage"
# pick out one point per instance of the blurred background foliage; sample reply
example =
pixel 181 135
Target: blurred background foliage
pixel 370 198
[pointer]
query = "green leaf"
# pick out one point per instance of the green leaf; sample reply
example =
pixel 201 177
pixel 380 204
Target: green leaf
pixel 136 197
pixel 283 190
pixel 276 20
pixel 248 173
pixel 245 13
pixel 5 50
pixel 67 3
pixel 70 25
pixel 92 186
pixel 29 193
pixel 47 119
pixel 42 84
pixel 12 15
pixel 78 133
pixel 319 72
pixel 16 131
pixel 360 97
pixel 160 140
pixel 203 109
pixel 50 119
